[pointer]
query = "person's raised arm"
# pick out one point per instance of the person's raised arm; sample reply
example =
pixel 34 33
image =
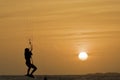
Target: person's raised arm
pixel 31 46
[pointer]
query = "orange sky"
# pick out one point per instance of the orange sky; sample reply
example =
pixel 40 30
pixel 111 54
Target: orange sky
pixel 60 29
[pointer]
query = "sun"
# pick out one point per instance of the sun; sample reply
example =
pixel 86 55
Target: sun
pixel 83 56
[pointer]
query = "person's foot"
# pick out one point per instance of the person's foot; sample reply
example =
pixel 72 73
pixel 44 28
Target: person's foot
pixel 31 76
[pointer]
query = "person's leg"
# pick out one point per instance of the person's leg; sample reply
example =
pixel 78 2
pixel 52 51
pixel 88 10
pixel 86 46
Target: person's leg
pixel 28 71
pixel 34 69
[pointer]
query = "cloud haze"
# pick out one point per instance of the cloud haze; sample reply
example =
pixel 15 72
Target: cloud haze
pixel 60 29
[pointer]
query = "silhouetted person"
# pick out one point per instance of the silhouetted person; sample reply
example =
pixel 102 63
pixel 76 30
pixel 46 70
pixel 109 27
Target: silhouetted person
pixel 29 62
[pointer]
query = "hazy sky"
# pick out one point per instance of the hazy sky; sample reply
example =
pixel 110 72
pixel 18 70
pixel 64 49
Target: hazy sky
pixel 60 29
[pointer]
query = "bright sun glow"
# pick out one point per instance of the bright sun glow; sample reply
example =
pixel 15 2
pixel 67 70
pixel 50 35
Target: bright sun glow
pixel 83 56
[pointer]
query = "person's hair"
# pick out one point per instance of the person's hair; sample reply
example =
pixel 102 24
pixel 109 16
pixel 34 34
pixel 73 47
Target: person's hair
pixel 26 49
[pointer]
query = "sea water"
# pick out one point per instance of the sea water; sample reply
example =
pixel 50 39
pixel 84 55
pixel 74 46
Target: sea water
pixel 111 76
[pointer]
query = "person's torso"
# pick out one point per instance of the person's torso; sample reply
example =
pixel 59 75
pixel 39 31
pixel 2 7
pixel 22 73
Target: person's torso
pixel 28 56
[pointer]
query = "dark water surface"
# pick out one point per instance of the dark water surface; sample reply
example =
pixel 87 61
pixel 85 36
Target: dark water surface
pixel 98 76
